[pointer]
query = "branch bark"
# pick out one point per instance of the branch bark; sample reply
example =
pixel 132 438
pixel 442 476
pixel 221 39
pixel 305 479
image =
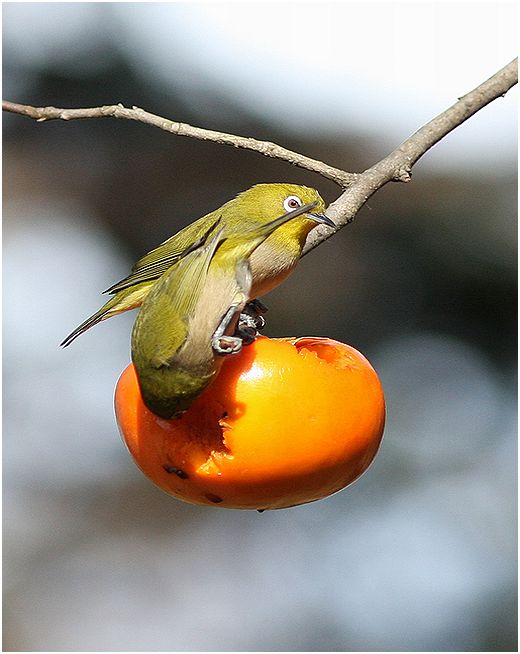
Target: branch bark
pixel 267 148
pixel 357 187
pixel 398 164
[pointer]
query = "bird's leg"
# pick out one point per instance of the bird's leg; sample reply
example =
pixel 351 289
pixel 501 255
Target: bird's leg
pixel 222 343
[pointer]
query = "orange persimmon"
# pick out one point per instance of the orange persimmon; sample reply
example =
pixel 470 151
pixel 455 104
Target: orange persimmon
pixel 287 421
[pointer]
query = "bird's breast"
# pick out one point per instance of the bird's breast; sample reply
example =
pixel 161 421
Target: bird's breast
pixel 270 264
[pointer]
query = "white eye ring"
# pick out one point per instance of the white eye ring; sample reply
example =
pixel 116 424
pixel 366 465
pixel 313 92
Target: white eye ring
pixel 291 203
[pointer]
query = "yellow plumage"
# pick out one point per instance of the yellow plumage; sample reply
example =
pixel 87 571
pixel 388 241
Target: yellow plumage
pixel 270 263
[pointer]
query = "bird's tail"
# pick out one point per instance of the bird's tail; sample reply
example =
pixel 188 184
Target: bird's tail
pixel 129 298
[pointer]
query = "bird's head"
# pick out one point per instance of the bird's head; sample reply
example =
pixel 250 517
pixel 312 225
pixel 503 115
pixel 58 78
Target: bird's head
pixel 269 201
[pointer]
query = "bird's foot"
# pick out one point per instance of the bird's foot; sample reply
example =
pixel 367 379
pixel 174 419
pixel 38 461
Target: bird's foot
pixel 250 322
pixel 254 310
pixel 246 332
pixel 225 345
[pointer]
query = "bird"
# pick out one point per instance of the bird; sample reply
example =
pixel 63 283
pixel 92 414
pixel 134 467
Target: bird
pixel 187 322
pixel 270 263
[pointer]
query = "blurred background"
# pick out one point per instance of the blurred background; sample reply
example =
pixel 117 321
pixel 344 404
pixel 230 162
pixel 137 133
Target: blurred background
pixel 420 553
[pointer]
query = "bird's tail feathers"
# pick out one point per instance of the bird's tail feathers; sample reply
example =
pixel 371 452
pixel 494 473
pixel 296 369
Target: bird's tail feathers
pixel 128 299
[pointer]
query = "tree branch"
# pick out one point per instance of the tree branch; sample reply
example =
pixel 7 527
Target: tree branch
pixel 268 149
pixel 358 188
pixel 398 164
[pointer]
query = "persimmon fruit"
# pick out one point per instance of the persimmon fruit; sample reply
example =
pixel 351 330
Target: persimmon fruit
pixel 287 421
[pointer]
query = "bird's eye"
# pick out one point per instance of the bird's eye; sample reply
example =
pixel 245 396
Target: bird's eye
pixel 292 202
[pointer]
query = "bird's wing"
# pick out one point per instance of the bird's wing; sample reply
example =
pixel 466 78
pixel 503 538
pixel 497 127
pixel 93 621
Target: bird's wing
pixel 154 264
pixel 172 302
pixel 195 270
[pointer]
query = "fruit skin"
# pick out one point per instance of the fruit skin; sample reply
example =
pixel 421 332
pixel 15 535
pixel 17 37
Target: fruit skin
pixel 287 421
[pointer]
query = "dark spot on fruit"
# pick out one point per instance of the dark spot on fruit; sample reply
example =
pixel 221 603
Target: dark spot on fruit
pixel 213 498
pixel 172 470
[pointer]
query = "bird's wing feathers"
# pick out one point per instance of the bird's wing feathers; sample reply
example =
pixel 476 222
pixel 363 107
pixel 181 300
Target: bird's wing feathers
pixel 195 271
pixel 182 285
pixel 172 301
pixel 154 264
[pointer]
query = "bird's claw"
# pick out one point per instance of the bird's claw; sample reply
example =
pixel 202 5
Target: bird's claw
pixel 225 345
pixel 246 333
pixel 259 323
pixel 252 313
pixel 248 327
pixel 250 322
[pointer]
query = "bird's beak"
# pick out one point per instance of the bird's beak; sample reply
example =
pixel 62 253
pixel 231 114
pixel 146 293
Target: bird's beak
pixel 323 219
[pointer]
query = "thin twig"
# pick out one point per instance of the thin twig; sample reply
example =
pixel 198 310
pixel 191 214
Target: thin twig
pixel 268 149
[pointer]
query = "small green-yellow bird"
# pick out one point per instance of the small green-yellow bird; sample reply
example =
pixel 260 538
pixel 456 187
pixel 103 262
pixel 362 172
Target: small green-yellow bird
pixel 189 318
pixel 270 263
